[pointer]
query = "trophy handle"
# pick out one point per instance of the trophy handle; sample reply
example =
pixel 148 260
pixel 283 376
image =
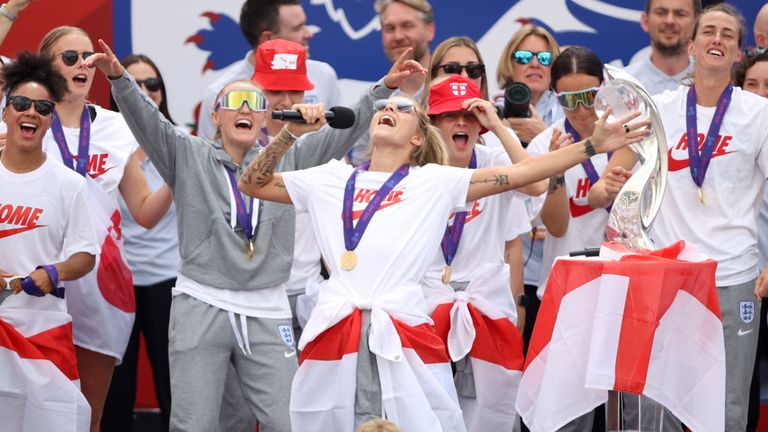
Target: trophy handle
pixel 639 200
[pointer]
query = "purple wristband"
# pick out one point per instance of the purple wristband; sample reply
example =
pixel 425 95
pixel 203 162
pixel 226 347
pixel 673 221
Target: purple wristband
pixel 29 286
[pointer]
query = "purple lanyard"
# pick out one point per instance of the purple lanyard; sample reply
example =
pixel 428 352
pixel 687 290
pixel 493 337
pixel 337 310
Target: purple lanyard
pixel 353 234
pixel 242 216
pixel 82 148
pixel 452 237
pixel 699 162
pixel 588 166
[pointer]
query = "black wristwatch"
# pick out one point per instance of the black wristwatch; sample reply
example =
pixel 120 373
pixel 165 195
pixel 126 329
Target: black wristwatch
pixel 521 300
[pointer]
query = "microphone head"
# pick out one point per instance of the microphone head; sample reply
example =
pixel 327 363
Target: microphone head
pixel 343 117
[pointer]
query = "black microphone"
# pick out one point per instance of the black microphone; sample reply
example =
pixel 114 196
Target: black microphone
pixel 338 117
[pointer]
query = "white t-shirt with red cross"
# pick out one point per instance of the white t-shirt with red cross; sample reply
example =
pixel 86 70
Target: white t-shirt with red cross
pixel 586 225
pixel 44 217
pixel 111 145
pixel 402 237
pixel 724 226
pixel 490 222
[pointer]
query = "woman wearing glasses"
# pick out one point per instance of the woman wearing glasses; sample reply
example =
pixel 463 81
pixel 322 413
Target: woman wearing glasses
pixel 228 242
pixel 97 142
pixel 368 344
pixel 153 257
pixel 50 239
pixel 714 189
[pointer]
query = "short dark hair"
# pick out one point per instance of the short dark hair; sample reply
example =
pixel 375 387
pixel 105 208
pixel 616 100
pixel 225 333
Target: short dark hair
pixel 141 58
pixel 747 61
pixel 258 16
pixel 576 60
pixel 696 6
pixel 37 68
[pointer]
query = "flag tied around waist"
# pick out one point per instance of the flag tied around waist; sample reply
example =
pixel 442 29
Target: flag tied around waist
pixel 646 323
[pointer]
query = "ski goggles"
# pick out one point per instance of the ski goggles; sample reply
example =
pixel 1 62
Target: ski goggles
pixel 44 107
pixel 69 57
pixel 400 105
pixel 151 84
pixel 235 99
pixel 474 70
pixel 571 100
pixel 524 57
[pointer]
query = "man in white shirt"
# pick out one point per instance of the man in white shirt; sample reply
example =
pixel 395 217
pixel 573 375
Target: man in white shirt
pixel 669 23
pixel 260 21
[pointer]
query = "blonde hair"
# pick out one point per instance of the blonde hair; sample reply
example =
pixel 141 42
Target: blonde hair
pixel 53 36
pixel 506 66
pixel 432 150
pixel 378 425
pixel 437 58
pixel 422 6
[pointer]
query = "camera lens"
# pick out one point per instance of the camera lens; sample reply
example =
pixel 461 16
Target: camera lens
pixel 516 99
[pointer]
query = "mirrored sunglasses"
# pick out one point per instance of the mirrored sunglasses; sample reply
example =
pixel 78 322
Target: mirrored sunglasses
pixel 235 99
pixel 474 70
pixel 69 57
pixel 571 100
pixel 400 105
pixel 524 57
pixel 151 84
pixel 44 107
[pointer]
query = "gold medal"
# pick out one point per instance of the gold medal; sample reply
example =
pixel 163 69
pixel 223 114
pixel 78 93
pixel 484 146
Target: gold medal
pixel 348 260
pixel 701 196
pixel 15 284
pixel 446 274
pixel 249 248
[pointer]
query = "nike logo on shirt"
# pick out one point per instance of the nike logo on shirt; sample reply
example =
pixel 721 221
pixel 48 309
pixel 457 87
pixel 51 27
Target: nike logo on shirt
pixel 681 164
pixel 681 149
pixel 24 217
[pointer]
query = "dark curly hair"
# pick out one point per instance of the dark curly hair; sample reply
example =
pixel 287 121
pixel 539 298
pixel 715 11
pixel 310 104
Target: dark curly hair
pixel 747 61
pixel 30 67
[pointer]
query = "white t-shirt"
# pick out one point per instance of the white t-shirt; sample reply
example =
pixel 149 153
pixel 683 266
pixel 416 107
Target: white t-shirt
pixel 653 79
pixel 306 256
pixel 44 217
pixel 724 227
pixel 321 74
pixel 401 239
pixel 490 222
pixel 111 145
pixel 586 225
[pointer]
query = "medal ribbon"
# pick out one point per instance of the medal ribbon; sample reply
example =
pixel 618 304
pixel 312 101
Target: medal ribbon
pixel 353 234
pixel 699 162
pixel 243 217
pixel 82 148
pixel 588 166
pixel 452 237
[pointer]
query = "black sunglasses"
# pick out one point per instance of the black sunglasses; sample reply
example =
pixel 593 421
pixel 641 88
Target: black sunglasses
pixel 69 57
pixel 44 107
pixel 474 70
pixel 151 84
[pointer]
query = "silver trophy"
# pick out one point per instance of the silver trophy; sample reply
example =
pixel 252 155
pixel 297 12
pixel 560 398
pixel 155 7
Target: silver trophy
pixel 631 216
pixel 638 202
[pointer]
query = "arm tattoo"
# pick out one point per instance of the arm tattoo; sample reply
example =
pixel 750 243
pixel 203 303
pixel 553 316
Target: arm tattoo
pixel 280 185
pixel 261 170
pixel 556 182
pixel 497 180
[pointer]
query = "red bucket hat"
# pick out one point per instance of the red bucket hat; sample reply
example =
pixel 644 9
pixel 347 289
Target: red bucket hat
pixel 281 65
pixel 449 94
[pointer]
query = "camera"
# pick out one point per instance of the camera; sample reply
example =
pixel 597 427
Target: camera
pixel 517 97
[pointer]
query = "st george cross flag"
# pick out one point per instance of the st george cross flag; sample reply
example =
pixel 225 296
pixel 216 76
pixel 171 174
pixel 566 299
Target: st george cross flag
pixel 102 303
pixel 643 323
pixel 39 385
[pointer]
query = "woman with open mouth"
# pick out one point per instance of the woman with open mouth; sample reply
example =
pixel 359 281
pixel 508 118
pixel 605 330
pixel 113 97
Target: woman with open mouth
pixel 368 343
pixel 717 137
pixel 98 145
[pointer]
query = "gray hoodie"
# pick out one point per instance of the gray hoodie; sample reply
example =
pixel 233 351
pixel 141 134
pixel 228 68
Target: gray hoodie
pixel 212 253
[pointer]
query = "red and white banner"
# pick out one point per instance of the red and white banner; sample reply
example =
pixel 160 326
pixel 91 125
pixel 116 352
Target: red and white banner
pixel 478 324
pixel 39 385
pixel 646 324
pixel 102 303
pixel 414 386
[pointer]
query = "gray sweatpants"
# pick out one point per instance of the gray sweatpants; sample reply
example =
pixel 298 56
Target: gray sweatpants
pixel 202 344
pixel 741 322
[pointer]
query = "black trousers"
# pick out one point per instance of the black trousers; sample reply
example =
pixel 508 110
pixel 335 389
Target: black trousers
pixel 153 310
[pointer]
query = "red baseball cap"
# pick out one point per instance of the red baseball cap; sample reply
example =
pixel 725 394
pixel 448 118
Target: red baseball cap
pixel 449 94
pixel 281 65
